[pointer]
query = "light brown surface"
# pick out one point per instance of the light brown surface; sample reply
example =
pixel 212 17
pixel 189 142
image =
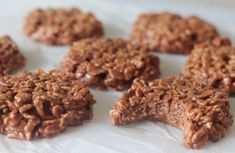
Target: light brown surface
pixel 213 64
pixel 110 63
pixel 10 56
pixel 200 111
pixel 36 105
pixel 61 26
pixel 171 33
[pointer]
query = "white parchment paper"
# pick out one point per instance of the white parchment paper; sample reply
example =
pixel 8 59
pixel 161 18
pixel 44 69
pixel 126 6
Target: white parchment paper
pixel 99 135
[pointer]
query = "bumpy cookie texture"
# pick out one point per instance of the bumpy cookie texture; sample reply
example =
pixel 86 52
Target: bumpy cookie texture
pixel 61 26
pixel 171 33
pixel 37 105
pixel 213 64
pixel 216 41
pixel 10 56
pixel 200 111
pixel 110 63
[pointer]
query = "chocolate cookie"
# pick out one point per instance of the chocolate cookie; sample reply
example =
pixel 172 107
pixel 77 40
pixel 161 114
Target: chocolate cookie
pixel 61 26
pixel 10 56
pixel 213 64
pixel 171 33
pixel 110 63
pixel 36 105
pixel 200 111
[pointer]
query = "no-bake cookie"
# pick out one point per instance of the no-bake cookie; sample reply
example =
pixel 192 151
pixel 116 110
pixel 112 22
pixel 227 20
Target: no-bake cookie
pixel 171 33
pixel 213 64
pixel 37 105
pixel 200 111
pixel 10 56
pixel 61 26
pixel 110 63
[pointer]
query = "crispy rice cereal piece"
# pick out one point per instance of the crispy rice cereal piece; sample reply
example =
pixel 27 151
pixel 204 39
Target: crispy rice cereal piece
pixel 213 64
pixel 200 111
pixel 110 63
pixel 171 33
pixel 61 26
pixel 38 105
pixel 10 56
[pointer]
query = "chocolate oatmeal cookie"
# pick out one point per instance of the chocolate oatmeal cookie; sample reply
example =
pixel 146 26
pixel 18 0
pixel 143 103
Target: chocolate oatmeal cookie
pixel 37 105
pixel 171 33
pixel 110 63
pixel 10 56
pixel 213 64
pixel 200 111
pixel 61 26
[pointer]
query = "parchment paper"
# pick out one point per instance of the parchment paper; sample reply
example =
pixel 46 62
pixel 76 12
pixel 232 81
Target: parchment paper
pixel 99 135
